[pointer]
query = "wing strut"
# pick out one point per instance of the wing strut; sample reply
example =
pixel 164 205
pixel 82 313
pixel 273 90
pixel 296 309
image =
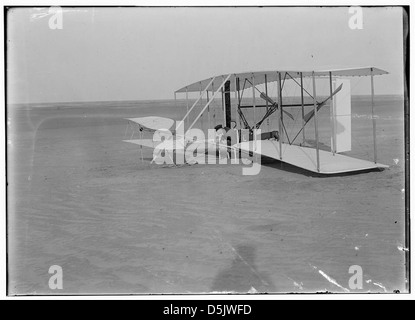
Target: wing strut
pixel 209 102
pixel 194 104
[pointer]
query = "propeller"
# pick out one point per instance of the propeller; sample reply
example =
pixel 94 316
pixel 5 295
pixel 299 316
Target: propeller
pixel 274 104
pixel 310 115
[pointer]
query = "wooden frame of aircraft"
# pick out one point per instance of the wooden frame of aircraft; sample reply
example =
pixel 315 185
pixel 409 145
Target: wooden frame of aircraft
pixel 278 145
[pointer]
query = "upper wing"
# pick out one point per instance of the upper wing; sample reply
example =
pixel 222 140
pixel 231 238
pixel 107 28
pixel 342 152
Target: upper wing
pixel 272 76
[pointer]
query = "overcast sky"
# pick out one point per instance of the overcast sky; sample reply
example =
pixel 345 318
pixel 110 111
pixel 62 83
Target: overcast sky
pixel 147 53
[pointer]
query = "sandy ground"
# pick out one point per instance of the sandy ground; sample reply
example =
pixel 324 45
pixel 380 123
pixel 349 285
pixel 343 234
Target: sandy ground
pixel 80 198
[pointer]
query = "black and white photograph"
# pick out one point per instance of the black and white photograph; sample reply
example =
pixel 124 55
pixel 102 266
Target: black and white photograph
pixel 203 150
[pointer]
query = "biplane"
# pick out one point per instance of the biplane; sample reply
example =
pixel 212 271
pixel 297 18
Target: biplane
pixel 275 140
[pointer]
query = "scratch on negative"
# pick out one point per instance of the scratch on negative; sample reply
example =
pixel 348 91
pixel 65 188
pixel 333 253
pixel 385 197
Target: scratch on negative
pixel 240 257
pixel 331 280
pixel 296 284
pixel 155 274
pixel 45 13
pixel 402 248
pixel 381 286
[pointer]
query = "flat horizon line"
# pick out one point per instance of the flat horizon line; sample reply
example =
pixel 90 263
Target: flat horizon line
pixel 166 99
